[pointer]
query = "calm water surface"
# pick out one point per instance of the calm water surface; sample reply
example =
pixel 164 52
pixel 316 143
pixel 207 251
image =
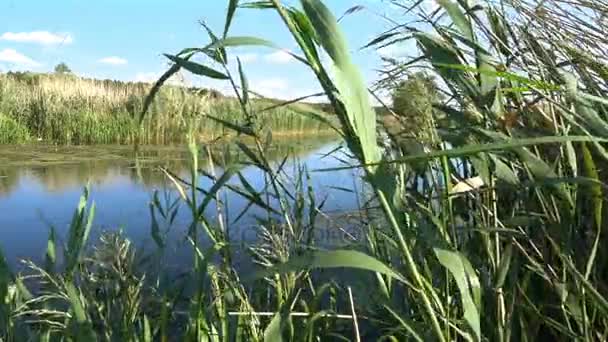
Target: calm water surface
pixel 40 187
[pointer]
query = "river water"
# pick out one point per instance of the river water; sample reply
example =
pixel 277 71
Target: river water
pixel 40 187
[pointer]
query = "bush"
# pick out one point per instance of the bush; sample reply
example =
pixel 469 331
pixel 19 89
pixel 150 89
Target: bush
pixel 12 132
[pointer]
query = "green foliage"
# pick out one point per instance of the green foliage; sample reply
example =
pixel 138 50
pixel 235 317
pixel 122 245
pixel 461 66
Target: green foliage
pixel 481 55
pixel 332 259
pixel 413 100
pixel 62 68
pixel 78 233
pixel 11 132
pixel 70 110
pixel 513 256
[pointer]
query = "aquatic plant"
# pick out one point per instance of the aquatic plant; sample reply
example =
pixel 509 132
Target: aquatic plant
pixel 66 109
pixel 493 233
pixel 11 132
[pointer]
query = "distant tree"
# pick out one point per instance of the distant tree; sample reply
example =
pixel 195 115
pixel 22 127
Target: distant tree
pixel 413 100
pixel 62 68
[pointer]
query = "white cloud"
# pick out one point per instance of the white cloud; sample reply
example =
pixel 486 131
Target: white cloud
pixel 147 77
pixel 274 87
pixel 38 37
pixel 273 83
pixel 281 88
pixel 279 57
pixel 14 57
pixel 113 60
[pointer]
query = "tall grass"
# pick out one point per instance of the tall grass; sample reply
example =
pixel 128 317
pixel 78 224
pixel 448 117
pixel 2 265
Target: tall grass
pixel 12 132
pixel 493 234
pixel 65 109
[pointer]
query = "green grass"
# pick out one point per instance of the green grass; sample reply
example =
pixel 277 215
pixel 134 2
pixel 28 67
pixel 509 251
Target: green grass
pixel 514 255
pixel 11 132
pixel 65 109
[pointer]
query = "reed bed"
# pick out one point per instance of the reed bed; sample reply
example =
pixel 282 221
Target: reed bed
pixel 492 233
pixel 65 109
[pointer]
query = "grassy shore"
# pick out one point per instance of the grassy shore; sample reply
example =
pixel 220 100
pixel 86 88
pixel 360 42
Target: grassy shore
pixel 65 109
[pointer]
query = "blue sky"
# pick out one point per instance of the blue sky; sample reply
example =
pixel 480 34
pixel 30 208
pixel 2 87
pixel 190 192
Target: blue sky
pixel 124 39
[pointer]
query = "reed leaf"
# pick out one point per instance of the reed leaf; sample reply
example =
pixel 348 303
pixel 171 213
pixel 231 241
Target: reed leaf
pixel 331 259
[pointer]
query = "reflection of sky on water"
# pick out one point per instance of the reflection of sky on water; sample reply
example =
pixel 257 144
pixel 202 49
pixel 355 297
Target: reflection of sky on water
pixel 40 196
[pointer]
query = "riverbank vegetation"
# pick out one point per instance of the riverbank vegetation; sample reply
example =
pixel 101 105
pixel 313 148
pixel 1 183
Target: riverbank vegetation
pixel 491 231
pixel 64 109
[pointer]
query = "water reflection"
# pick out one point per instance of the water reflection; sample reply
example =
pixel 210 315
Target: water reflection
pixel 61 168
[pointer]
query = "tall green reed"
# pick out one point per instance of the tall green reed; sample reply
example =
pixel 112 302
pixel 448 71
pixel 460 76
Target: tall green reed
pixel 69 110
pixel 500 242
pixel 511 75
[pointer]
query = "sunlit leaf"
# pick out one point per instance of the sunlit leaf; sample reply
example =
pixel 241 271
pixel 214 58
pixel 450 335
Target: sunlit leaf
pixel 467 282
pixel 504 266
pixel 514 144
pixel 458 17
pixel 353 92
pixel 237 41
pixel 196 68
pixel 331 259
pixel 232 5
pixel 244 83
pixel 273 331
